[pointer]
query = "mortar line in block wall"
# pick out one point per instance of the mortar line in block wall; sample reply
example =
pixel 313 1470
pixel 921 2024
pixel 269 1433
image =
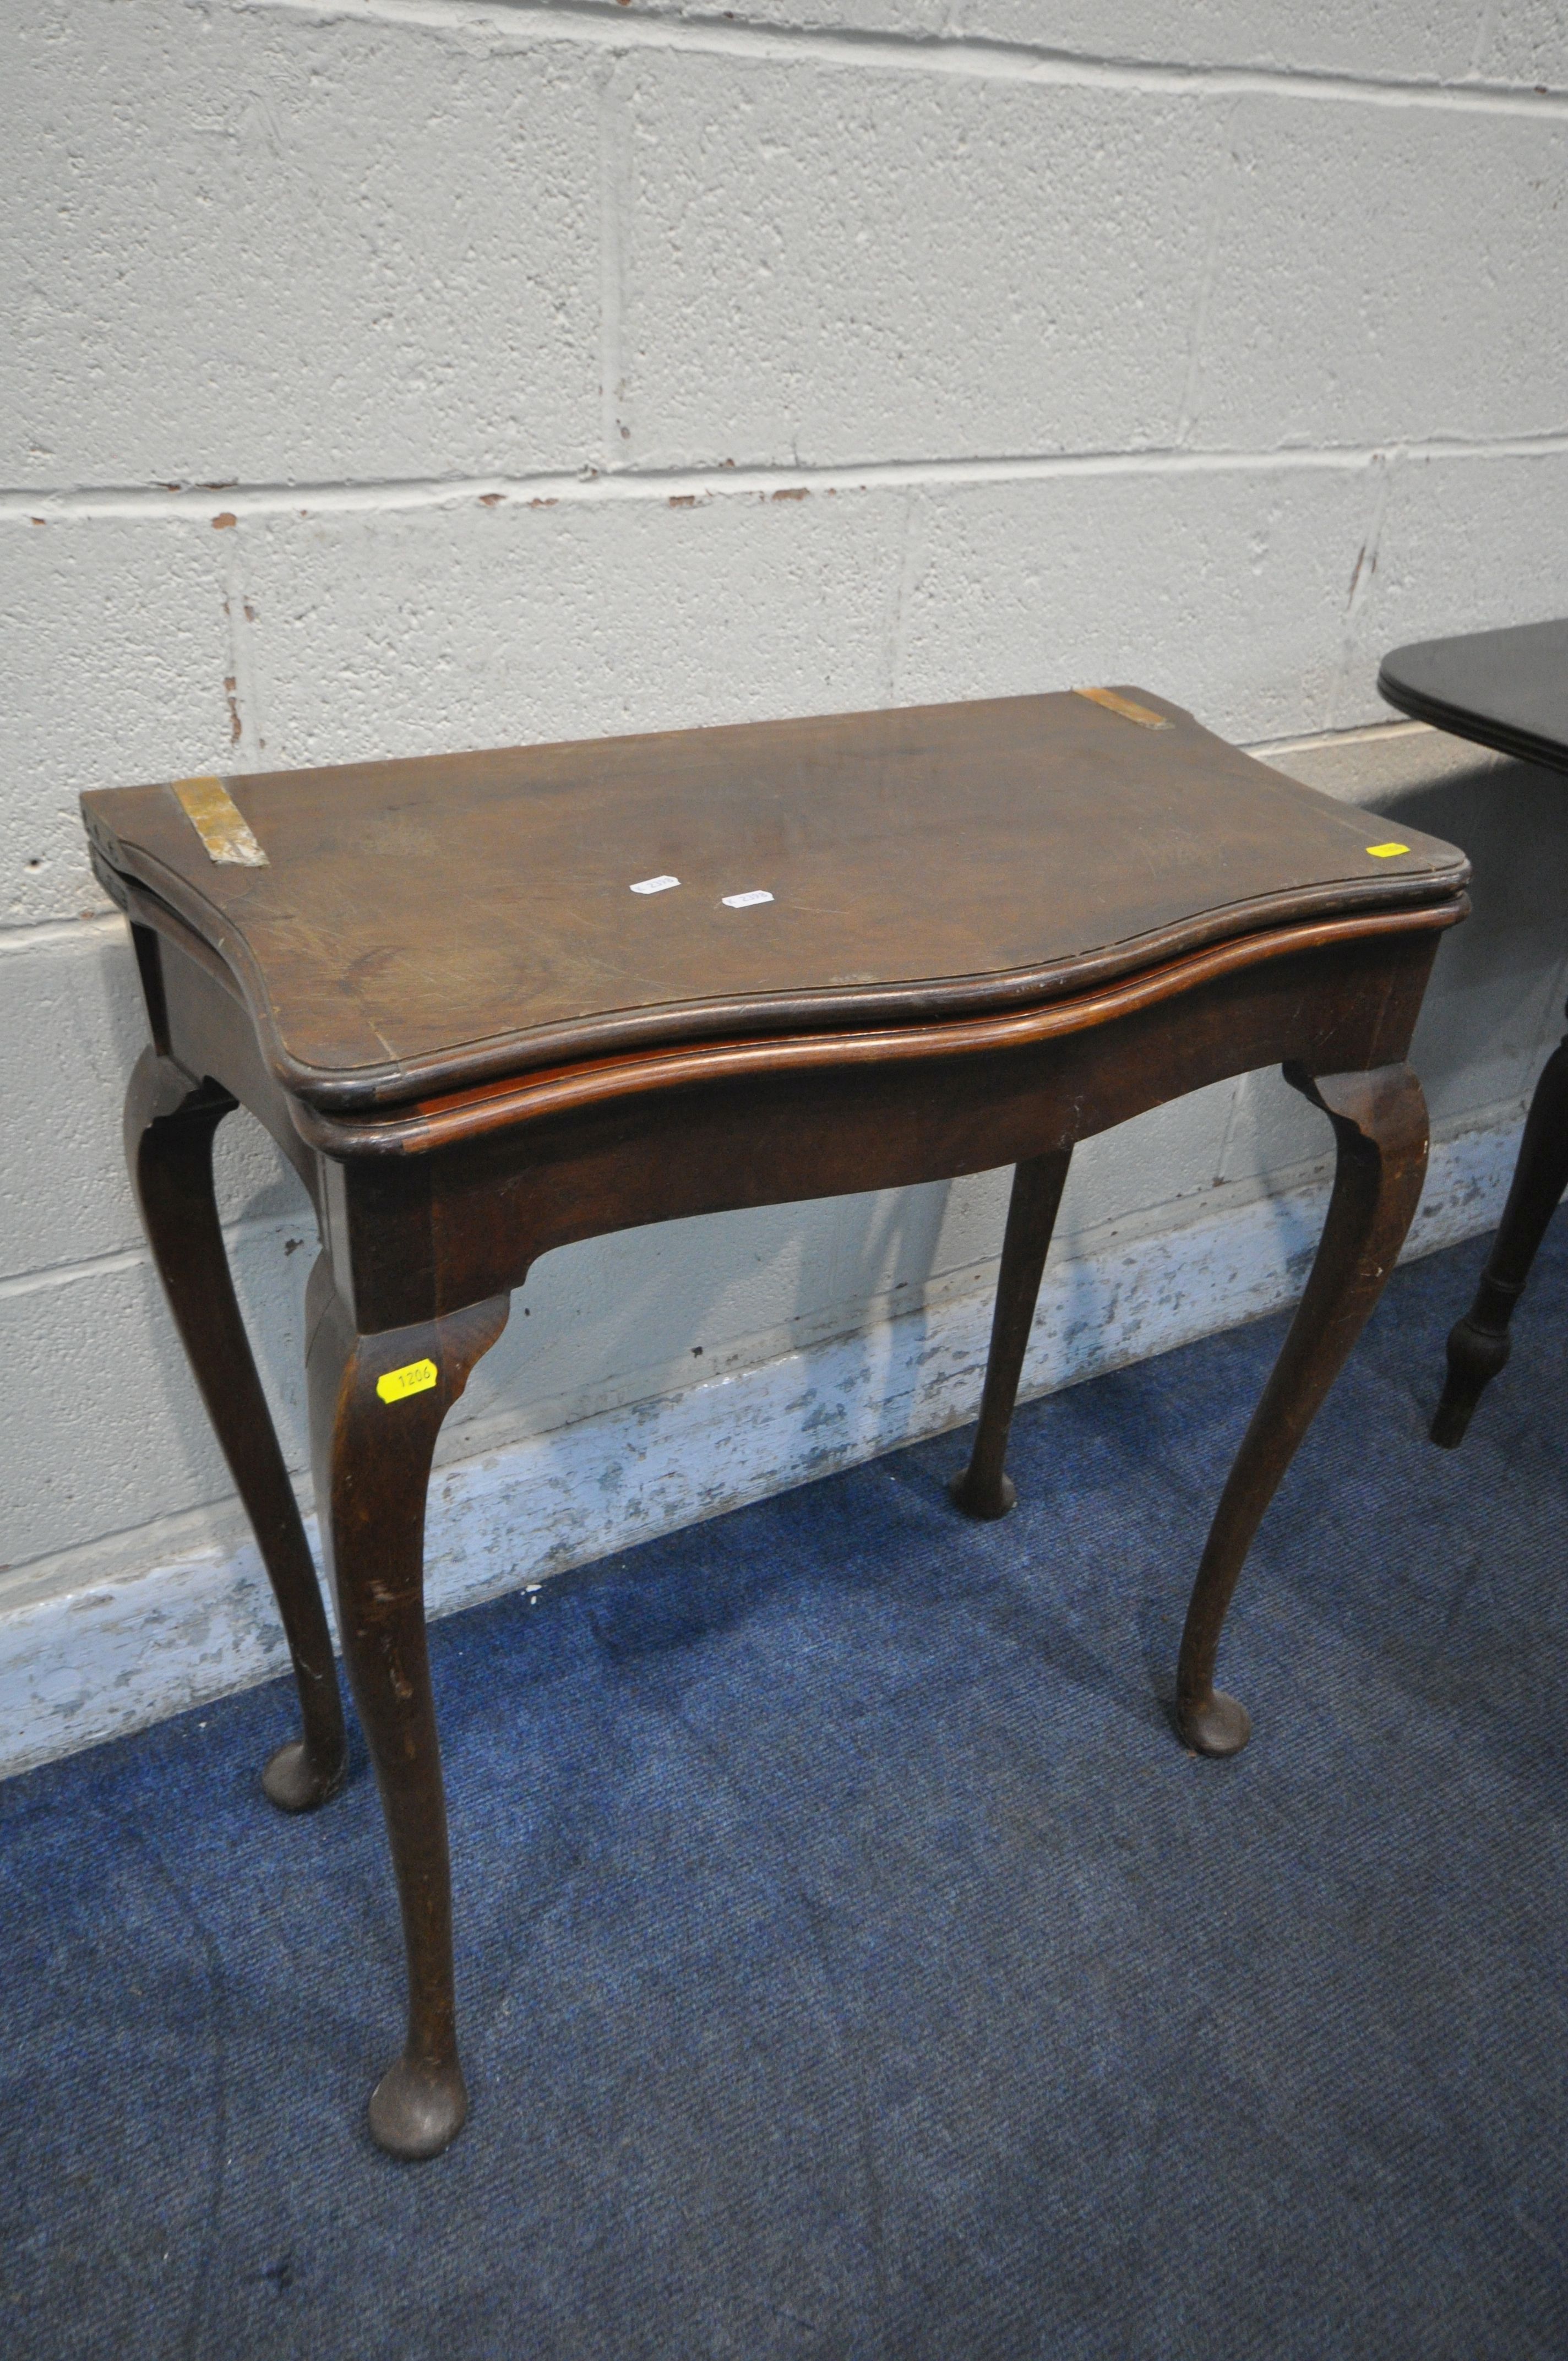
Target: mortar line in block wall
pixel 1220 194
pixel 614 166
pixel 1362 573
pixel 138 1257
pixel 968 56
pixel 240 686
pixel 683 486
pixel 900 588
pixel 63 934
pixel 1487 18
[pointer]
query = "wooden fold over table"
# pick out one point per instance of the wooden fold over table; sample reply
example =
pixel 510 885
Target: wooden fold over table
pixel 1507 689
pixel 487 1003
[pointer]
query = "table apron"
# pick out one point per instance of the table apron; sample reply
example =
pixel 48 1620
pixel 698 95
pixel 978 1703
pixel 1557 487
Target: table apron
pixel 415 1235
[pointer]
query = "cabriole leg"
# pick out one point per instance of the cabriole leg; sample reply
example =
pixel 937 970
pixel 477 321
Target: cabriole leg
pixel 985 1489
pixel 1380 1131
pixel 1478 1343
pixel 169 1126
pixel 377 1404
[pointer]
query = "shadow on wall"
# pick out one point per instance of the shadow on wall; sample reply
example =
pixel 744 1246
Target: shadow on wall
pixel 1494 1009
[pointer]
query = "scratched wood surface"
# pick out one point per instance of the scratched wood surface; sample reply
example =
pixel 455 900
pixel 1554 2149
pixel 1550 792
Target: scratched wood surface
pixel 429 923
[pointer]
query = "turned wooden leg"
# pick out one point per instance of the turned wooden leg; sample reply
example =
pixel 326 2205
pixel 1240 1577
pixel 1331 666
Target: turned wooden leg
pixel 377 1404
pixel 1478 1343
pixel 1381 1131
pixel 985 1489
pixel 170 1125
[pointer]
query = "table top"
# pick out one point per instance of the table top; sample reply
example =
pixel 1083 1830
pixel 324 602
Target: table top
pixel 1507 689
pixel 403 928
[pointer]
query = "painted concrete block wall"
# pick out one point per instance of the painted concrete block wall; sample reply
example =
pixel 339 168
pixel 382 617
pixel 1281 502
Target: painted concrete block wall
pixel 391 375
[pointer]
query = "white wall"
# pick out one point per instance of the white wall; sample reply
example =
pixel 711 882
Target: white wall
pixel 404 374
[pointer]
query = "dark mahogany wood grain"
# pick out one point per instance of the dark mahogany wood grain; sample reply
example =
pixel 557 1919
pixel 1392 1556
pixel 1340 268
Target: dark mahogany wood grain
pixel 999 931
pixel 1380 1136
pixel 985 1489
pixel 425 925
pixel 372 1461
pixel 170 1124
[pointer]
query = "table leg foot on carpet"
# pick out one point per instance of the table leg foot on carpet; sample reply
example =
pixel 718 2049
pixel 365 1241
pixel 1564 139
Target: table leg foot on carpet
pixel 1478 1343
pixel 296 1781
pixel 1218 1726
pixel 1380 1135
pixel 372 1437
pixel 983 1489
pixel 1476 1356
pixel 417 2111
pixel 978 1497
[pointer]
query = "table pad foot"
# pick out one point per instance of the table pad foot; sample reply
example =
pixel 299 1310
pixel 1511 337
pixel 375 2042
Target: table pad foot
pixel 977 1497
pixel 1476 1356
pixel 1220 1726
pixel 295 1782
pixel 417 2111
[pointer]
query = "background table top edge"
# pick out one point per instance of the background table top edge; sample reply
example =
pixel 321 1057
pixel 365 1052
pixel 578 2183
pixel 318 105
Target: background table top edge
pixel 1507 689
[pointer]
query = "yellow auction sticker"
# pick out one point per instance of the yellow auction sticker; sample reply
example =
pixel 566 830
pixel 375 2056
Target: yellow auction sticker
pixel 414 1378
pixel 1385 851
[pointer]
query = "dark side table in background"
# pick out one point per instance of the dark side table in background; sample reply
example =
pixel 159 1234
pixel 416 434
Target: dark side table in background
pixel 489 1004
pixel 1509 690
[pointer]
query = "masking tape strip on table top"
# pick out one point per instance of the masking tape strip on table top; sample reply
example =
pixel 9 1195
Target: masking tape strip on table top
pixel 219 822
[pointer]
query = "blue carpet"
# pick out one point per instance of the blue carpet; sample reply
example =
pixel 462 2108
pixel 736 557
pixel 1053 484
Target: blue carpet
pixel 850 1961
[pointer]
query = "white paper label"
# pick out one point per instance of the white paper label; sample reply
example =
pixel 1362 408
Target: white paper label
pixel 743 901
pixel 655 884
